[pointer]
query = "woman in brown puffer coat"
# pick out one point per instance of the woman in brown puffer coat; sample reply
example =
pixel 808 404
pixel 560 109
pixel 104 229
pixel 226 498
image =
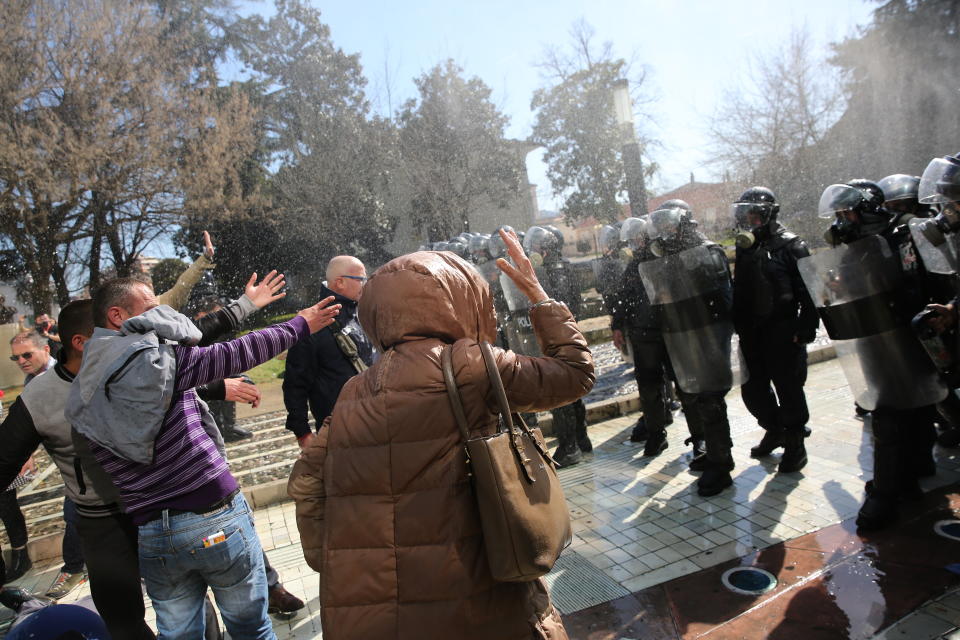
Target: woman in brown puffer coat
pixel 384 503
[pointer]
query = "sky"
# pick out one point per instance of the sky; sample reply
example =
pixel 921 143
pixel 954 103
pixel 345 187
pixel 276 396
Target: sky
pixel 693 52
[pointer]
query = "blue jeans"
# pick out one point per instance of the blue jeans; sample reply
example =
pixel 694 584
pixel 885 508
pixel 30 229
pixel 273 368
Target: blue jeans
pixel 73 561
pixel 177 570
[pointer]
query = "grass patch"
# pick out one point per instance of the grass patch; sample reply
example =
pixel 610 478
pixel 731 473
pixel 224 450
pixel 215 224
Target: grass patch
pixel 268 372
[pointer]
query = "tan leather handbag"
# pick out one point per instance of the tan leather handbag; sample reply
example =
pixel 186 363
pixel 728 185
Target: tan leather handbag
pixel 523 511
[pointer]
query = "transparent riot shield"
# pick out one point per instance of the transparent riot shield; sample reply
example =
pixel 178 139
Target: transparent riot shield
pixel 518 328
pixel 608 272
pixel 694 293
pixel 855 288
pixel 939 251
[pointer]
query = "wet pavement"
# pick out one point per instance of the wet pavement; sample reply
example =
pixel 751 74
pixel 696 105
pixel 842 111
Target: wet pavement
pixel 649 556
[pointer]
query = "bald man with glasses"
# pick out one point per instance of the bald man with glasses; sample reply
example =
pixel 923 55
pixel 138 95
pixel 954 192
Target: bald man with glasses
pixel 318 368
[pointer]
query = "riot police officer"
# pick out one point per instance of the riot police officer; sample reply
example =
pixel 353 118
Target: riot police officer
pixel 689 284
pixel 634 318
pixel 775 319
pixel 867 289
pixel 608 268
pixel 561 283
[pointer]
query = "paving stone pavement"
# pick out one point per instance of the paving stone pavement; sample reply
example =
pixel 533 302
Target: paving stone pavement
pixel 638 522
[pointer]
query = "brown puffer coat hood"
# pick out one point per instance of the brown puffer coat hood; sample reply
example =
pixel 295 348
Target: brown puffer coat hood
pixel 385 507
pixel 428 294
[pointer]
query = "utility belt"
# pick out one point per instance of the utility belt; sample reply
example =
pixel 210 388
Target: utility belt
pixel 219 504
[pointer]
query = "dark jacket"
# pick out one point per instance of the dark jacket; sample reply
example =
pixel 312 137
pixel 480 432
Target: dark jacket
pixel 317 369
pixel 631 310
pixel 768 292
pixel 562 283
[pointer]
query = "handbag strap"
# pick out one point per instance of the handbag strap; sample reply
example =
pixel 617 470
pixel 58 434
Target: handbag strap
pixel 496 383
pixel 446 363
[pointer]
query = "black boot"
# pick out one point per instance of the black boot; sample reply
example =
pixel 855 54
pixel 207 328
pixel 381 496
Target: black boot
pixel 794 452
pixel 19 565
pixel 235 433
pixel 583 440
pixel 656 443
pixel 639 433
pixel 565 427
pixel 772 438
pixel 699 460
pixel 567 456
pixel 716 477
pixel 880 508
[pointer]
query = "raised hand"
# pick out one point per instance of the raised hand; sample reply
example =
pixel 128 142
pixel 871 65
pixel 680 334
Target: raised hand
pixel 207 246
pixel 320 315
pixel 522 274
pixel 267 291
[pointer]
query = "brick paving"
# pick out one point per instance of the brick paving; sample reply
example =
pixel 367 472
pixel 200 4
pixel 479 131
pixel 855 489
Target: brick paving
pixel 638 521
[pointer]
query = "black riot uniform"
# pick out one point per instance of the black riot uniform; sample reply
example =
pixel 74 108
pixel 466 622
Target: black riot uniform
pixel 902 416
pixel 938 197
pixel 560 282
pixel 684 260
pixel 775 320
pixel 639 321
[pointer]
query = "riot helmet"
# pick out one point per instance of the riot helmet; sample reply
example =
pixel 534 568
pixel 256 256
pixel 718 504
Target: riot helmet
pixel 440 246
pixel 609 239
pixel 940 183
pixel 479 248
pixel 667 226
pixel 496 246
pixel 753 212
pixel 635 233
pixel 539 243
pixel 940 186
pixel 458 247
pixel 557 234
pixel 855 208
pixel 900 194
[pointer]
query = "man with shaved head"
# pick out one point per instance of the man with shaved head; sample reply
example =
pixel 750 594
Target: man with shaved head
pixel 319 367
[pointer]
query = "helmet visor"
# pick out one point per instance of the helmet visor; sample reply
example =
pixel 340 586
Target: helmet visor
pixel 665 222
pixel 899 187
pixel 609 238
pixel 635 231
pixel 749 215
pixel 537 239
pixel 838 197
pixel 940 182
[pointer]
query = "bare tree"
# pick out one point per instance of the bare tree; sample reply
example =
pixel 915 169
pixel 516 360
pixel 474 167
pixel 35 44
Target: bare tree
pixel 769 125
pixel 106 130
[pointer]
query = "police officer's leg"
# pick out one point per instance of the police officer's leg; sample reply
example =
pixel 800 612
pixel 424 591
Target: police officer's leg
pixel 565 428
pixel 580 413
pixel 789 377
pixel 919 437
pixel 880 507
pixel 949 410
pixel 648 359
pixel 758 396
pixel 712 409
pixel 695 424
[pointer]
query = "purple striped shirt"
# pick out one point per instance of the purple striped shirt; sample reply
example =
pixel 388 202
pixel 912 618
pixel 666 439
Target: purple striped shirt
pixel 187 471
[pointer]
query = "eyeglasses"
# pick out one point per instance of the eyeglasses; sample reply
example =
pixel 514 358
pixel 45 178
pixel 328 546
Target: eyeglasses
pixel 25 356
pixel 357 278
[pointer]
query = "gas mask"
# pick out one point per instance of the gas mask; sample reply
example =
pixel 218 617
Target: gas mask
pixel 536 259
pixel 657 247
pixel 625 254
pixel 935 229
pixel 745 239
pixel 843 230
